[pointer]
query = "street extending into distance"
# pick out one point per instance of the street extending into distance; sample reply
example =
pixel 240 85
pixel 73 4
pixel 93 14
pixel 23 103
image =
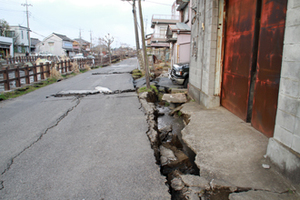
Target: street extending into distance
pixel 79 146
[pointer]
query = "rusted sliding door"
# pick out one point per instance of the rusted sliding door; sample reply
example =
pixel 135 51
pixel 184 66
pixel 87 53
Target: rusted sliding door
pixel 272 26
pixel 238 59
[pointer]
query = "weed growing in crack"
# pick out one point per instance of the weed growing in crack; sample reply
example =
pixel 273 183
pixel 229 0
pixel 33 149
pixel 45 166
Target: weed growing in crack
pixel 145 89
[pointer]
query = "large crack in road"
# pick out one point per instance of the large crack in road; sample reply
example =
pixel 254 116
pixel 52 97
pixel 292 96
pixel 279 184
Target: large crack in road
pixel 77 99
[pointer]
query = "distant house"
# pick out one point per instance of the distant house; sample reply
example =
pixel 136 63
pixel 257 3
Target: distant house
pixel 159 43
pixel 6 47
pixel 179 35
pixel 56 44
pixel 33 43
pixel 21 43
pixel 80 45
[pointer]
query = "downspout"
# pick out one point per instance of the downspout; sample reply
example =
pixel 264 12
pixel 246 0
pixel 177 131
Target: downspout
pixel 203 40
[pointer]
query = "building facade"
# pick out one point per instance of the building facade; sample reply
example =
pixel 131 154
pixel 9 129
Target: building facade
pixel 56 44
pixel 6 47
pixel 159 43
pixel 21 43
pixel 244 57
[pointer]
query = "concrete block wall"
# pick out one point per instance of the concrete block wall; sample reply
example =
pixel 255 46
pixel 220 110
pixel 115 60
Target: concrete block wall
pixel 285 146
pixel 203 53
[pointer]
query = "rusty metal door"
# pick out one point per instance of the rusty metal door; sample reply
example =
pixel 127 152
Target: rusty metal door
pixel 238 59
pixel 270 46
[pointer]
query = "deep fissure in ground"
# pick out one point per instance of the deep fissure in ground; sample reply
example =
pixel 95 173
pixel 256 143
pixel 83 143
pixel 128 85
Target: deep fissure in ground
pixel 174 157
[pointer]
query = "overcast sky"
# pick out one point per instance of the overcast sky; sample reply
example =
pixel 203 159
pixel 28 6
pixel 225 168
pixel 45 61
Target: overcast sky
pixel 67 17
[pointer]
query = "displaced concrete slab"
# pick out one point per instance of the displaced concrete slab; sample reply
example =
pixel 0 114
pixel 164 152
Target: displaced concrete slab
pixel 178 90
pixel 103 89
pixel 230 150
pixel 77 92
pixel 175 98
pixel 262 195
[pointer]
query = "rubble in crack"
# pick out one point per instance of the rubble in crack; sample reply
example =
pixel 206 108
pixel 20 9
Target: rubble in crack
pixel 168 149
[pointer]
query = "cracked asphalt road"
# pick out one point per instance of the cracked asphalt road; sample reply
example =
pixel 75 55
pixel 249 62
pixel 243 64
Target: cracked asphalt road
pixel 79 147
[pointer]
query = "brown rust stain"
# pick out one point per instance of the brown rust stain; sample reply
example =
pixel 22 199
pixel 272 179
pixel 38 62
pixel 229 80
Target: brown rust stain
pixel 240 30
pixel 269 65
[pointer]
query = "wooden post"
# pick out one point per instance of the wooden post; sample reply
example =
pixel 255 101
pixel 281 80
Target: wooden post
pixel 17 75
pixel 35 79
pixel 27 79
pixel 6 79
pixel 47 70
pixel 57 68
pixel 66 67
pixel 69 65
pixel 42 71
pixel 62 66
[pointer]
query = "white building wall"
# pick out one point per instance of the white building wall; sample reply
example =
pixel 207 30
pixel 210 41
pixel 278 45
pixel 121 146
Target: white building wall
pixel 21 38
pixel 53 44
pixel 203 53
pixel 287 127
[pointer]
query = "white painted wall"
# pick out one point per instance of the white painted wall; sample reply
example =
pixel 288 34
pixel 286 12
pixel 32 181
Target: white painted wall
pixel 203 53
pixel 52 44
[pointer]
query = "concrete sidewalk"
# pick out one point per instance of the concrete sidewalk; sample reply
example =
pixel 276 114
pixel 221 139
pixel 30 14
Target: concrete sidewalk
pixel 231 152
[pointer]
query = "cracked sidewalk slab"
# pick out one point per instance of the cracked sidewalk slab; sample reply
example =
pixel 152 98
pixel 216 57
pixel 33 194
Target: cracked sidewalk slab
pixel 229 149
pixel 262 195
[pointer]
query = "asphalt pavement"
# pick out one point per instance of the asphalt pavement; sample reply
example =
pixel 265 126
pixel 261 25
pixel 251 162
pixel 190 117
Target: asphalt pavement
pixel 79 147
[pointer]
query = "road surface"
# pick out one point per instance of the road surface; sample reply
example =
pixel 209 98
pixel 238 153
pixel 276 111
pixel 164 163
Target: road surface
pixel 79 147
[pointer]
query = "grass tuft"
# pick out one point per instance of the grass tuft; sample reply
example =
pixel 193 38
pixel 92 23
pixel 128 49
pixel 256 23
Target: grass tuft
pixel 144 89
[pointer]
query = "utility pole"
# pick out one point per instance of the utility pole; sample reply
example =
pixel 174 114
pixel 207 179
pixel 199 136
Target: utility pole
pixel 136 34
pixel 144 47
pixel 28 32
pixel 100 40
pixel 80 40
pixel 91 46
pixel 135 27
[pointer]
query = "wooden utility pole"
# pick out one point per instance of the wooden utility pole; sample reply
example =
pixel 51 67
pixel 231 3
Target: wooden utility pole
pixel 135 27
pixel 144 46
pixel 28 30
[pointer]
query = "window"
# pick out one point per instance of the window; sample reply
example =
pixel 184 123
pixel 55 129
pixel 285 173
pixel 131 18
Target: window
pixel 50 43
pixel 162 32
pixel 22 35
pixel 186 14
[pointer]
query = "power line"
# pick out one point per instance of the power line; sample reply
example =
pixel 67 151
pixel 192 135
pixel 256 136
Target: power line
pixel 11 10
pixel 159 3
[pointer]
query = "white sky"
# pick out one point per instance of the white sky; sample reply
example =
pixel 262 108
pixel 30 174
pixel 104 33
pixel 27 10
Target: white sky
pixel 68 16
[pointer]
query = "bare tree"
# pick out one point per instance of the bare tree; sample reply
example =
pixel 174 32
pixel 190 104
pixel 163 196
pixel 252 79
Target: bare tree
pixel 109 40
pixel 3 27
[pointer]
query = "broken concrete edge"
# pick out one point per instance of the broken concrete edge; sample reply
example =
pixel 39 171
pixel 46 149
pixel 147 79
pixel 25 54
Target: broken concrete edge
pixel 198 187
pixel 193 185
pixel 186 184
pixel 175 98
pixel 150 110
pixel 187 113
pixel 256 194
pixel 89 92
